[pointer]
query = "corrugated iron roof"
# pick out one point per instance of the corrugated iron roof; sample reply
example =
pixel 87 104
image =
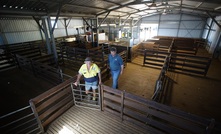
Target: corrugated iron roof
pixel 118 8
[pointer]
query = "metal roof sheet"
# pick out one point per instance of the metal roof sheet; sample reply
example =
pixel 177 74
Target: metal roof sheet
pixel 117 8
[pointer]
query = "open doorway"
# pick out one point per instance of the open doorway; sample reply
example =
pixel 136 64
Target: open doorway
pixel 148 31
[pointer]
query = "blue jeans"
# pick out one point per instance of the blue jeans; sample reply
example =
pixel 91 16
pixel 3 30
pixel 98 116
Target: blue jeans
pixel 115 75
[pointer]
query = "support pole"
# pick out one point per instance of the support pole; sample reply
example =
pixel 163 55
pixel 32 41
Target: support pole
pixel 87 22
pixel 56 20
pixel 126 19
pixel 97 30
pixel 92 33
pixel 40 27
pixel 65 25
pixel 177 34
pixel 103 19
pixel 46 35
pixel 37 21
pixel 207 36
pixel 53 45
pixel 109 32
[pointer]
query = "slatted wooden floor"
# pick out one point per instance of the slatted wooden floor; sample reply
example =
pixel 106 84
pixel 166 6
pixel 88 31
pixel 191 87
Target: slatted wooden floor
pixel 78 120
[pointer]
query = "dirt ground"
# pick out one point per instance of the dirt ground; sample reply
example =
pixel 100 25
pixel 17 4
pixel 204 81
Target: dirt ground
pixel 137 80
pixel 198 95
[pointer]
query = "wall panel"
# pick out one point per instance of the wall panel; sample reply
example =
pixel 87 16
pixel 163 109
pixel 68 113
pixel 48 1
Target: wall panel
pixel 19 37
pixel 166 32
pixel 189 33
pixel 178 25
pixel 20 30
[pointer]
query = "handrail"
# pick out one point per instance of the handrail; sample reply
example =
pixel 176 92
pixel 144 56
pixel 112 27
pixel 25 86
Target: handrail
pixel 159 81
pixel 153 116
pixel 52 103
pixel 16 111
pixel 19 121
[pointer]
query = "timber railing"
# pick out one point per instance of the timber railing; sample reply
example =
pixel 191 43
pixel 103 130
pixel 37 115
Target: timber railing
pixel 7 61
pixel 96 53
pixel 44 71
pixel 52 103
pixel 164 45
pixel 105 71
pixel 154 58
pixel 73 58
pixel 11 48
pixel 31 51
pixel 28 50
pixel 153 116
pixel 185 46
pixel 123 55
pixel 161 82
pixel 170 45
pixel 183 63
pixel 45 59
pixel 189 64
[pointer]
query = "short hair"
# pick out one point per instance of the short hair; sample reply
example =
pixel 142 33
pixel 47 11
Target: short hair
pixel 88 59
pixel 113 49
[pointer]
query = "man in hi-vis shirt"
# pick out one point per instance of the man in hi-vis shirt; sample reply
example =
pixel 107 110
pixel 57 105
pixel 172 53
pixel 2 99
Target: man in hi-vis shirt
pixel 91 73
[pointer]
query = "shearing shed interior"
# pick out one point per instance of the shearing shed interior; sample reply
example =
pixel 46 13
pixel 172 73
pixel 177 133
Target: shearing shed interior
pixel 171 52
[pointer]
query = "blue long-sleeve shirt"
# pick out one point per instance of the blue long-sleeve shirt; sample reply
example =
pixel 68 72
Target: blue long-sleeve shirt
pixel 115 62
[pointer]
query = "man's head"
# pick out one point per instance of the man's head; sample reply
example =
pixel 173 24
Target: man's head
pixel 113 51
pixel 88 60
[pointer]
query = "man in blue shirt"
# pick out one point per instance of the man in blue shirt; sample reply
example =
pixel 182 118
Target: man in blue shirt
pixel 116 66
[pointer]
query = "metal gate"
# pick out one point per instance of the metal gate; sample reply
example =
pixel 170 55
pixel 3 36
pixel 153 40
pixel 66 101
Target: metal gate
pixel 85 100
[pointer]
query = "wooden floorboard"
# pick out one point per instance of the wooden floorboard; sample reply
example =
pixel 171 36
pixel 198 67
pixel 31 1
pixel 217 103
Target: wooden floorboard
pixel 79 120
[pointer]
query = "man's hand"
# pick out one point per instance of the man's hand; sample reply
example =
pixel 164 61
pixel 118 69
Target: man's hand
pixel 121 72
pixel 100 83
pixel 76 83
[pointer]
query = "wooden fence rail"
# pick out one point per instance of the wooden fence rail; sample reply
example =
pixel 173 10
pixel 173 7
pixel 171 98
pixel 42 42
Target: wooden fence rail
pixel 123 55
pixel 24 63
pixel 153 116
pixel 188 64
pixel 49 73
pixel 52 103
pixel 156 117
pixel 44 71
pixel 7 61
pixel 154 58
pixel 185 46
pixel 97 54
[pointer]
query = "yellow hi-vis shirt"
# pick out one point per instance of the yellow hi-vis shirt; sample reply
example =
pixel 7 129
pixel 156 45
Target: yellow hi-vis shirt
pixel 91 75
